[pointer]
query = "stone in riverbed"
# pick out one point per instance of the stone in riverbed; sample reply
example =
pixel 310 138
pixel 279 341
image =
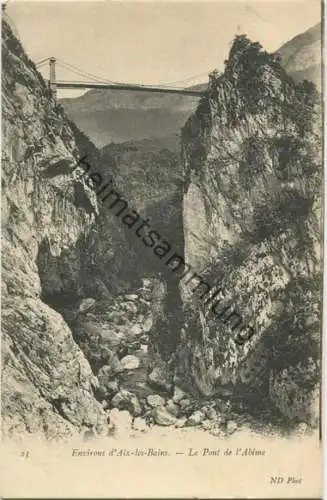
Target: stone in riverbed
pixel 211 413
pixel 172 408
pixel 196 418
pixel 162 417
pixel 130 362
pixel 131 296
pixel 108 388
pixel 107 384
pixel 125 400
pixel 158 378
pixel 178 394
pixel 130 306
pixel 113 387
pixel 223 406
pixel 86 304
pixel 155 400
pixel 184 403
pixel 136 330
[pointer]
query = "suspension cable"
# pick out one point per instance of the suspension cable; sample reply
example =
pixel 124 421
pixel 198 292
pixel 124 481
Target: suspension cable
pixel 186 80
pixel 83 73
pixel 41 63
pixel 95 78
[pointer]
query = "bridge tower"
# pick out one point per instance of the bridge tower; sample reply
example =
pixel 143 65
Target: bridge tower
pixel 52 76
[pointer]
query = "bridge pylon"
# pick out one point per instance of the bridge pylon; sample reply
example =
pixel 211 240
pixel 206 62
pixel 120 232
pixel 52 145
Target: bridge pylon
pixel 52 77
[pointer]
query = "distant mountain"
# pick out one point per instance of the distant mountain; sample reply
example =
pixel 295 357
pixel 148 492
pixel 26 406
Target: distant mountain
pixel 119 115
pixel 301 56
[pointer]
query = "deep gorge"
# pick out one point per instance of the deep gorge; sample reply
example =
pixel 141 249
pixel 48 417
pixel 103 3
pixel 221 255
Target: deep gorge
pixel 93 323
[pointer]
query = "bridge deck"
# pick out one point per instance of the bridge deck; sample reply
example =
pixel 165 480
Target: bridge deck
pixel 118 86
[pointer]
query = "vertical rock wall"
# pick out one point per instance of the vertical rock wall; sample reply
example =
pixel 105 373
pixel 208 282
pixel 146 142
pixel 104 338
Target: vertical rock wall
pixel 252 219
pixel 47 384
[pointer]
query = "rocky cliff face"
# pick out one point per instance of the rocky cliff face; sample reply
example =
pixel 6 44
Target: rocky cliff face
pixel 252 222
pixel 47 383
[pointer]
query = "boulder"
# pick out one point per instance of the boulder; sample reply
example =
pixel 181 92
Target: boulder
pixel 136 330
pixel 162 417
pixel 125 400
pixel 99 354
pixel 211 413
pixel 184 403
pixel 172 408
pixel 86 304
pixel 131 296
pixel 158 378
pixel 155 400
pixel 112 387
pixel 108 386
pixel 130 362
pixel 231 426
pixel 196 418
pixel 130 306
pixel 107 373
pixel 112 360
pixel 223 406
pixel 146 283
pixel 178 394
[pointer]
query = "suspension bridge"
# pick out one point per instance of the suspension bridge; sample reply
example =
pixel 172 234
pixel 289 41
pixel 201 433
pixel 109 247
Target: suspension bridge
pixel 95 82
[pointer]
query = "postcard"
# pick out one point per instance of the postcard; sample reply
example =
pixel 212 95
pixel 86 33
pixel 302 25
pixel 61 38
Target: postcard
pixel 162 249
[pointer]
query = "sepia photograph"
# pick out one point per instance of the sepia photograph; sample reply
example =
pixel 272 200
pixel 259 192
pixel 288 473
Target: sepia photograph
pixel 162 249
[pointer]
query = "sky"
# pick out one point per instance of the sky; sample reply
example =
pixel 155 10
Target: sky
pixel 152 42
